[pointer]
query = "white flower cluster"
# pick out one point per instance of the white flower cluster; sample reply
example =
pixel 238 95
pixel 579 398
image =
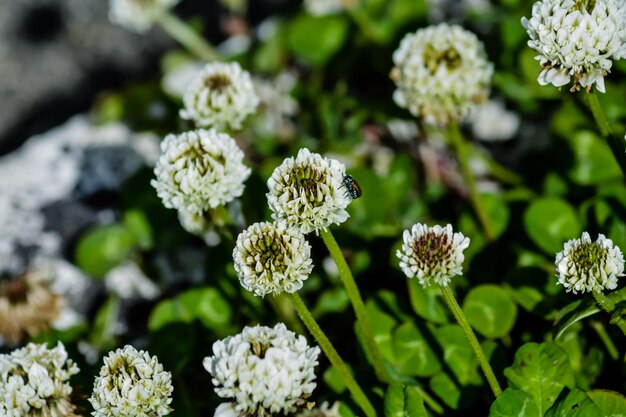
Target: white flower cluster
pixel 271 258
pixel 128 281
pixel 492 122
pixel 220 96
pixel 577 39
pixel 588 266
pixel 264 370
pixel 138 15
pixel 432 253
pixel 131 383
pixel 307 192
pixel 276 106
pixel 34 381
pixel 441 72
pixel 199 170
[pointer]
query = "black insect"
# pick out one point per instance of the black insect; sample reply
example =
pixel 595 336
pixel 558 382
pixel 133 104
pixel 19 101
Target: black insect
pixel 352 187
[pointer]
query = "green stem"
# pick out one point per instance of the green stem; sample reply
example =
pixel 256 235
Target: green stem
pixel 500 172
pixel 184 35
pixel 615 143
pixel 458 314
pixel 462 151
pixel 309 321
pixel 606 339
pixel 285 312
pixel 608 306
pixel 432 403
pixel 357 303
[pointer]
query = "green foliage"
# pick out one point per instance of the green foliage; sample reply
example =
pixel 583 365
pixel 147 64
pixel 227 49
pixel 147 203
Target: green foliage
pixel 490 310
pixel 403 401
pixel 541 370
pixel 104 247
pixel 550 222
pixel 554 353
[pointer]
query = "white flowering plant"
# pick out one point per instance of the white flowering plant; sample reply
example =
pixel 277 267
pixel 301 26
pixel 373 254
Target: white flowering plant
pixel 323 208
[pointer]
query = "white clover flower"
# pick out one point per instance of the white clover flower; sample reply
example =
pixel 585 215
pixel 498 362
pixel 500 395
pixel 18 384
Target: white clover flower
pixel 492 122
pixel 307 192
pixel 221 95
pixel 276 106
pixel 131 383
pixel 128 281
pixel 138 15
pixel 264 370
pixel 587 266
pixel 199 170
pixel 577 39
pixel 271 258
pixel 432 253
pixel 441 72
pixel 34 382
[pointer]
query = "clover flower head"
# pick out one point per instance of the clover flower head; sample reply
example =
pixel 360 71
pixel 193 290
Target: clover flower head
pixel 222 95
pixel 441 72
pixel 28 305
pixel 271 258
pixel 432 253
pixel 587 266
pixel 131 383
pixel 307 192
pixel 34 382
pixel 264 370
pixel 199 170
pixel 138 15
pixel 577 40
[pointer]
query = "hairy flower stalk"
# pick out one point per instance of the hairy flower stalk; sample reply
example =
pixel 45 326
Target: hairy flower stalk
pixel 587 266
pixel 435 254
pixel 263 370
pixel 577 40
pixel 131 383
pixel 199 171
pixel 34 382
pixel 272 258
pixel 221 96
pixel 441 73
pixel 140 15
